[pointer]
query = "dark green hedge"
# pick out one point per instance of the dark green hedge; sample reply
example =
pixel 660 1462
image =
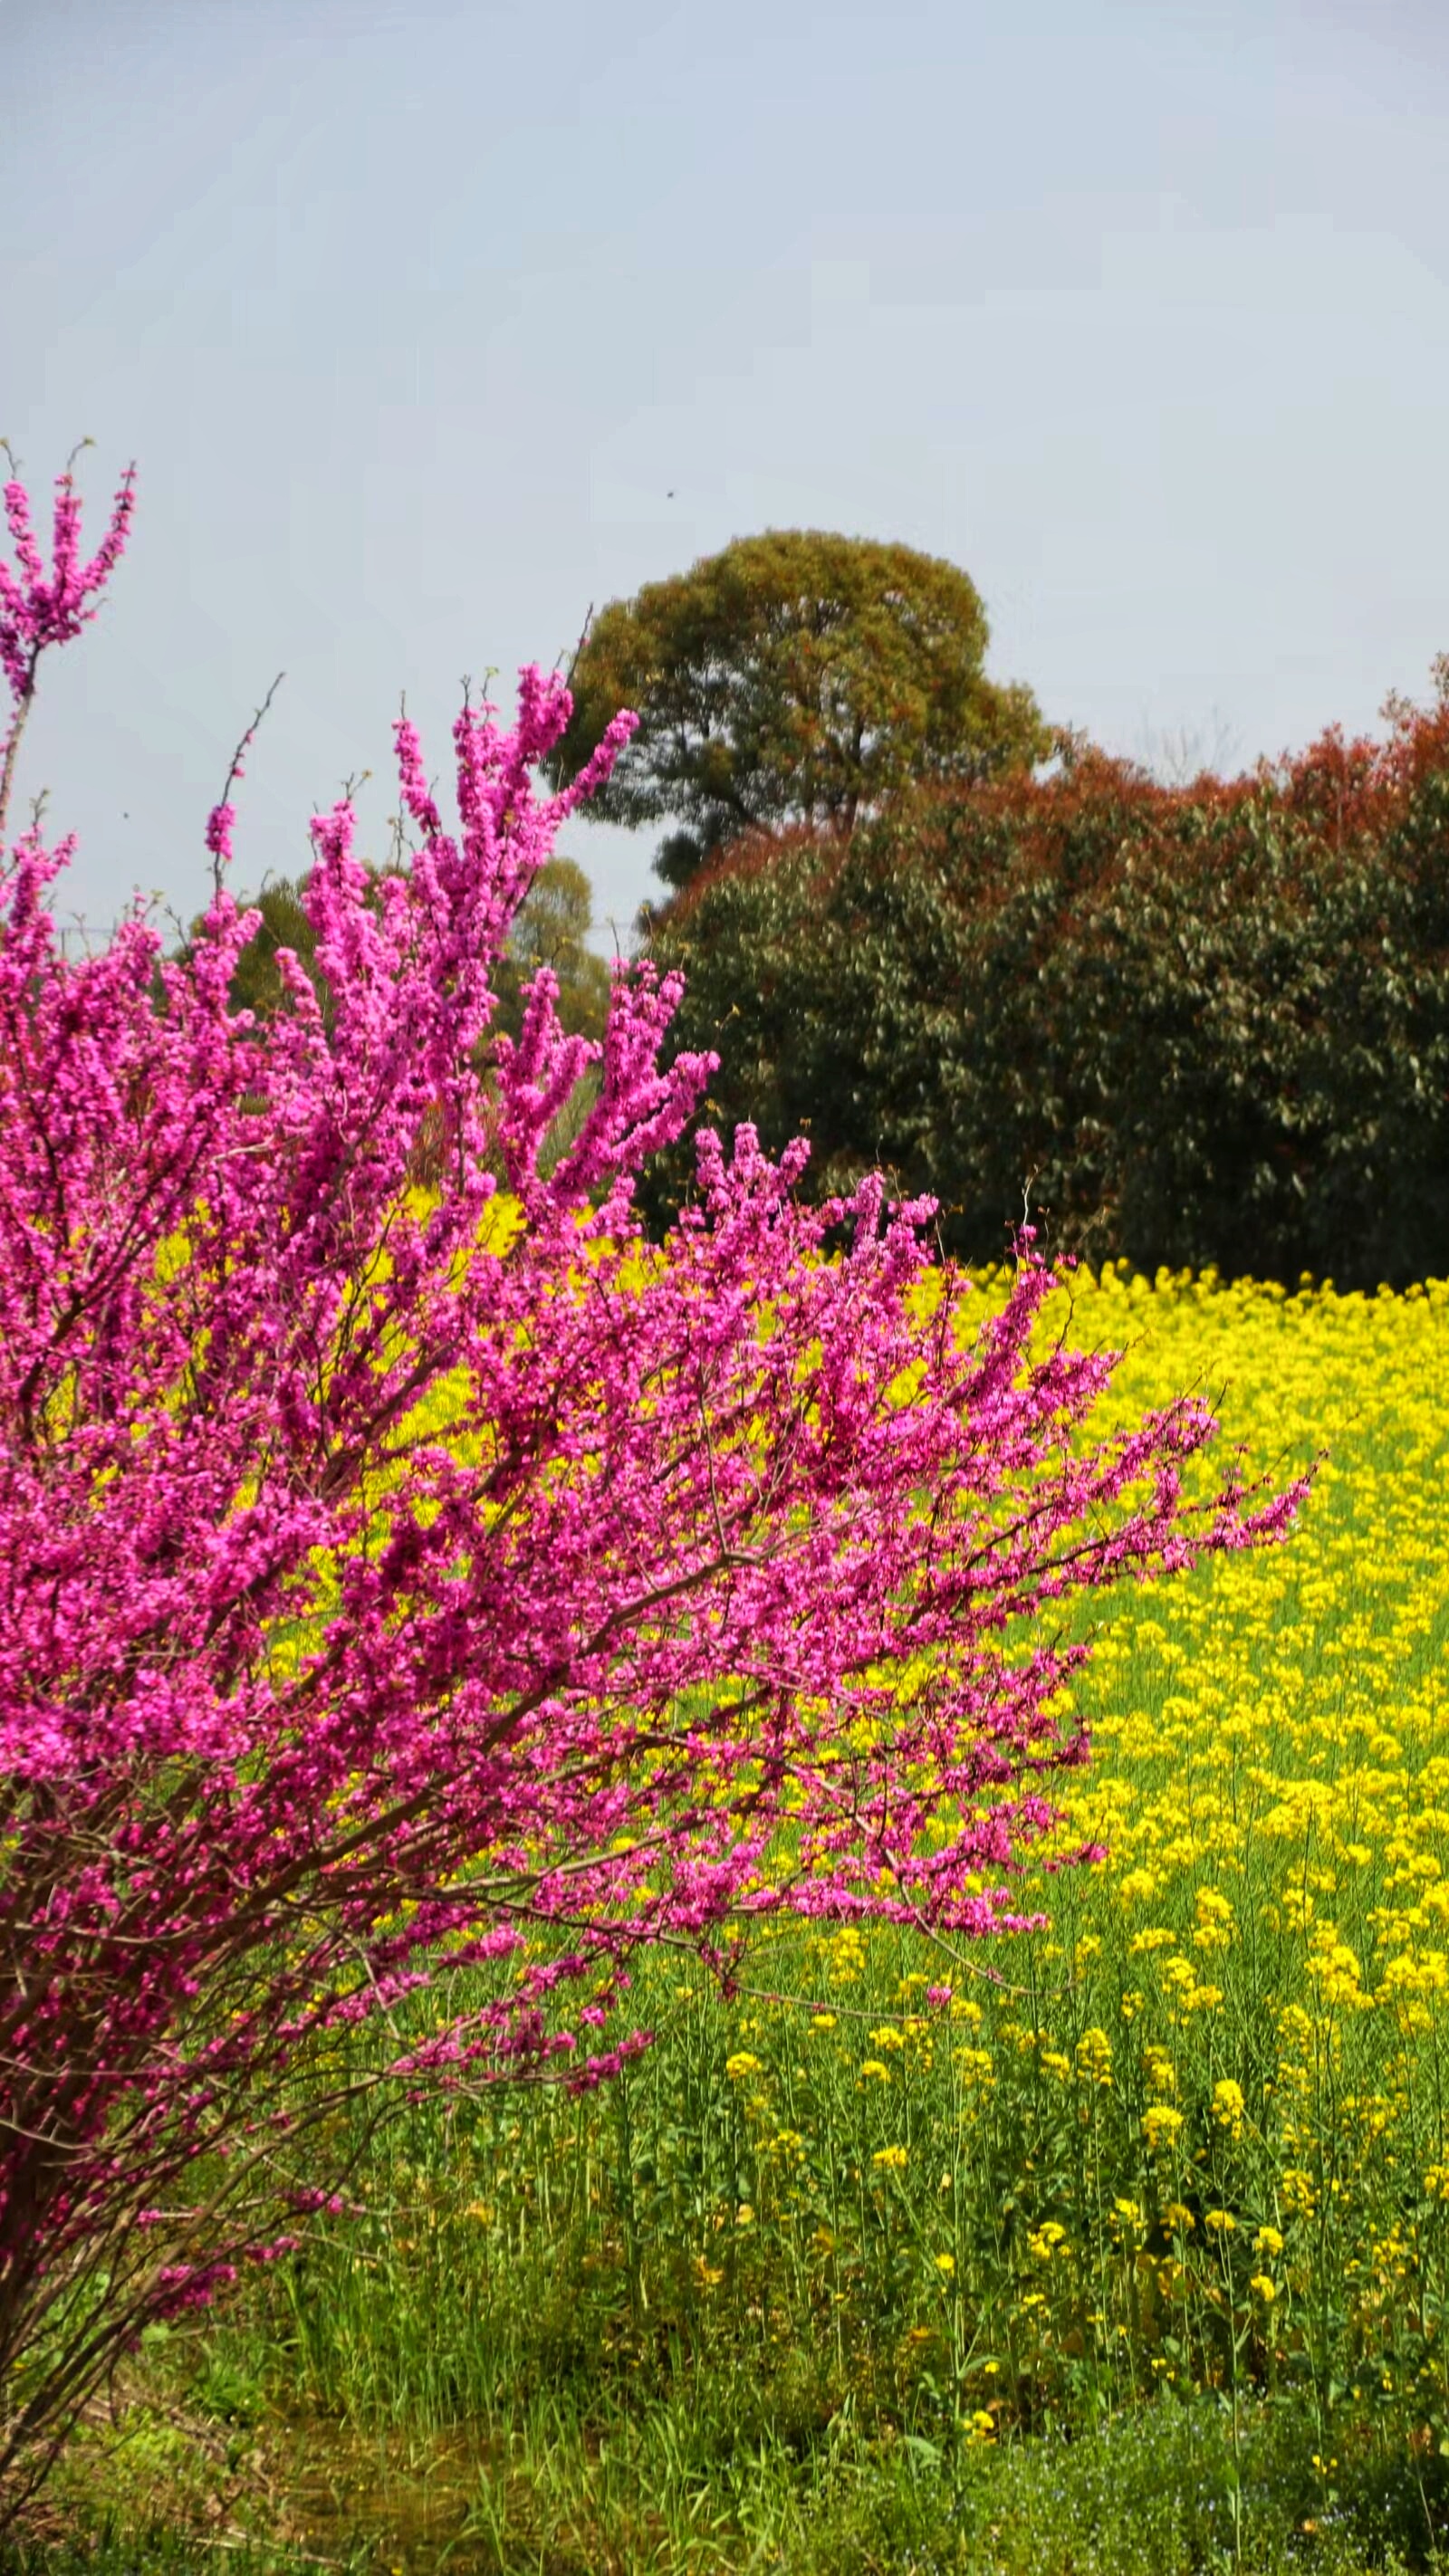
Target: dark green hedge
pixel 1199 1025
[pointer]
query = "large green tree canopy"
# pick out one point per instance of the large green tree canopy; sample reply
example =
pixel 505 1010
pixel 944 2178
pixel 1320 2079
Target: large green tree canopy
pixel 796 677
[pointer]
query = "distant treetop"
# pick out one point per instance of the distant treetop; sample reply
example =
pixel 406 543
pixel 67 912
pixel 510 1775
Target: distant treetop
pixel 798 676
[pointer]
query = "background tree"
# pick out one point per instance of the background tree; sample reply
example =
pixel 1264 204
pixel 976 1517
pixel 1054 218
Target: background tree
pixel 797 676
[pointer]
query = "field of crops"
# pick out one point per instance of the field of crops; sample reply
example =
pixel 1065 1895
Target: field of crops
pixel 1192 2139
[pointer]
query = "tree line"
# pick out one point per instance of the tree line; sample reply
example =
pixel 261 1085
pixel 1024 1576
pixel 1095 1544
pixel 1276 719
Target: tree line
pixel 1194 1024
pixel 1205 1025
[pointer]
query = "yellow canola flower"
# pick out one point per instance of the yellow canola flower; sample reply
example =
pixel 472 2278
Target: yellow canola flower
pixel 1044 2242
pixel 1228 2106
pixel 1137 1887
pixel 1297 2191
pixel 1094 2057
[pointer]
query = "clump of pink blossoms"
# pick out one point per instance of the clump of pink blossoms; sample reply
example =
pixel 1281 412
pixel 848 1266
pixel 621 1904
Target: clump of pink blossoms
pixel 386 1577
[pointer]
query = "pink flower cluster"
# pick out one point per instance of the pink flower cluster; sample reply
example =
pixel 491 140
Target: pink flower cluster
pixel 42 609
pixel 395 1582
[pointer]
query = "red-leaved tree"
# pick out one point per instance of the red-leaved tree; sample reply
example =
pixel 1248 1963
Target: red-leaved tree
pixel 400 1574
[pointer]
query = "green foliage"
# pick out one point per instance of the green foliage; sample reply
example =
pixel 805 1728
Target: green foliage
pixel 1199 1025
pixel 699 2485
pixel 798 675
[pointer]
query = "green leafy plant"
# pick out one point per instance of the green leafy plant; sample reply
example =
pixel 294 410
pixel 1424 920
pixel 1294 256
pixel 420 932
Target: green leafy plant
pixel 1202 1024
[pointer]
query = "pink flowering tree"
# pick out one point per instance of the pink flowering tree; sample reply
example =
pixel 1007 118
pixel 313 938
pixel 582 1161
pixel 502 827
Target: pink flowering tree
pixel 407 1576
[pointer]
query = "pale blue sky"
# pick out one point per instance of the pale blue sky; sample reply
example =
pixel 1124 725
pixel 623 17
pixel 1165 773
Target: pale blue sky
pixel 414 316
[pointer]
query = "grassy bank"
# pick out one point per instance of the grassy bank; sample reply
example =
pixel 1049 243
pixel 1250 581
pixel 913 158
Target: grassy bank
pixel 1170 2490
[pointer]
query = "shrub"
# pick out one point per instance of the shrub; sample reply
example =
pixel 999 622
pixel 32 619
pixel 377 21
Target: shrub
pixel 1201 1025
pixel 401 1581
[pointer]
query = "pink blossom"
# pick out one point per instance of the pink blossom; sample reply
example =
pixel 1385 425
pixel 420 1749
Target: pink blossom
pixel 389 1583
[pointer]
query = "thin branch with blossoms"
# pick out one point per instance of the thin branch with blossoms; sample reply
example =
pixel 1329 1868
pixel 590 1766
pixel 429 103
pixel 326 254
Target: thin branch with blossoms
pixel 41 609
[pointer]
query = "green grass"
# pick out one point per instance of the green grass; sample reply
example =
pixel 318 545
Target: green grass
pixel 695 2490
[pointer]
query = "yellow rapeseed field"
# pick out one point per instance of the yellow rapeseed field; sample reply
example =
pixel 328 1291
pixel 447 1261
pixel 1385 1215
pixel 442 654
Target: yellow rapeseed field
pixel 1195 2134
pixel 1200 2128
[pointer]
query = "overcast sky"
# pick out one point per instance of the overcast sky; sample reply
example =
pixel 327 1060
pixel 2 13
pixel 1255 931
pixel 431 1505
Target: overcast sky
pixel 430 325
